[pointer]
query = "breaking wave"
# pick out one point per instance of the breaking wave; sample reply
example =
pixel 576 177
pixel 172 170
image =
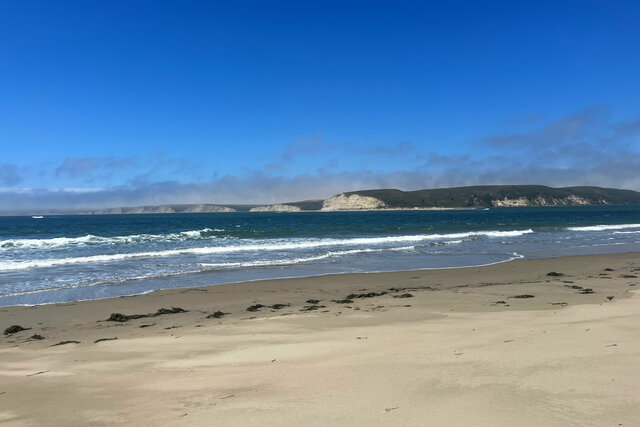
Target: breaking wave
pixel 90 239
pixel 604 227
pixel 263 246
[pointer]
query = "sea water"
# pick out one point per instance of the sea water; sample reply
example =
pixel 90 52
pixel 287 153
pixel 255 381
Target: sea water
pixel 70 258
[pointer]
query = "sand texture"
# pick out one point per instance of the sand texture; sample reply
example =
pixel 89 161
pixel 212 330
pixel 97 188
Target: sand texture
pixel 501 345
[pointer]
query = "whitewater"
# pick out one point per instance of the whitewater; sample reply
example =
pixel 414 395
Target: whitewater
pixel 67 258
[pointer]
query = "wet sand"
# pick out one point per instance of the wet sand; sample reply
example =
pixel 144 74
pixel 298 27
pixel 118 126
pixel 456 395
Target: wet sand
pixel 507 344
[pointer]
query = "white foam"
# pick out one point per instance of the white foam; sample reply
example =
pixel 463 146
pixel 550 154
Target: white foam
pixel 255 246
pixel 56 242
pixel 300 260
pixel 210 266
pixel 514 256
pixel 604 227
pixel 53 242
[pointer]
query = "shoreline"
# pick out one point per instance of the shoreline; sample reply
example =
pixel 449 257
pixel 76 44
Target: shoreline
pixel 346 276
pixel 542 337
pixel 514 258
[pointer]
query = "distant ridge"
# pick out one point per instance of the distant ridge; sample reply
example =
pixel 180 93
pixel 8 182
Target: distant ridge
pixel 482 196
pixel 440 198
pixel 151 209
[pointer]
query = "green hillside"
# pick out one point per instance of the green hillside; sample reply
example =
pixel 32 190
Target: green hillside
pixel 485 196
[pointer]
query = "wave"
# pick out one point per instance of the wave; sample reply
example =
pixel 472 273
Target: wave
pixel 604 227
pixel 205 233
pixel 89 239
pixel 208 267
pixel 269 246
pixel 300 260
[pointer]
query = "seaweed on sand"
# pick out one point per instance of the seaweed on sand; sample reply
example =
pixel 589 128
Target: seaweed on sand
pixel 216 315
pixel 407 295
pixel 119 317
pixel 14 328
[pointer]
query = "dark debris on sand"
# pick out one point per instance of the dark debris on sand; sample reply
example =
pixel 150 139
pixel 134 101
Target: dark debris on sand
pixel 279 306
pixel 413 288
pixel 14 329
pixel 105 339
pixel 216 315
pixel 172 310
pixel 65 343
pixel 554 274
pixel 255 307
pixel 523 296
pixel 36 337
pixel 311 307
pixel 407 295
pixel 349 298
pixel 366 295
pixel 119 317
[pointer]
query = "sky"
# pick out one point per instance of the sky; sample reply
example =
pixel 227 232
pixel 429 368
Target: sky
pixel 125 103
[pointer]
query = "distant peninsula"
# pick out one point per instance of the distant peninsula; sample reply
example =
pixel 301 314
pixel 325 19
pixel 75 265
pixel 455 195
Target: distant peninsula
pixel 441 198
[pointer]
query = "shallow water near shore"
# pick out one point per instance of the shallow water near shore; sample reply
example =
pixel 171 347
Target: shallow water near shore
pixel 70 258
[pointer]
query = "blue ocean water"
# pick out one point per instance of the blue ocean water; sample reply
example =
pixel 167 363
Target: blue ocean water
pixel 69 258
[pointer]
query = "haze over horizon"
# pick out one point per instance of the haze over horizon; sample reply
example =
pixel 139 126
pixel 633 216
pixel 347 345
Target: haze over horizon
pixel 113 104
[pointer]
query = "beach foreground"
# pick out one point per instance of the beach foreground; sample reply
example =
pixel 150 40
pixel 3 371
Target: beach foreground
pixel 506 344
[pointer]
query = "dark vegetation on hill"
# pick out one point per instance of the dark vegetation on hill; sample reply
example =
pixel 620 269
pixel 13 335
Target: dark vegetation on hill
pixel 485 196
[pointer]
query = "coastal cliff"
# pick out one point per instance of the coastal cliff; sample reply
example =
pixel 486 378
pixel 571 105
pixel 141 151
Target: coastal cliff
pixel 156 209
pixel 493 196
pixel 571 200
pixel 276 208
pixel 344 202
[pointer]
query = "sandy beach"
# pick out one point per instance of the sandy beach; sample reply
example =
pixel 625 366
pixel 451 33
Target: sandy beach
pixel 527 342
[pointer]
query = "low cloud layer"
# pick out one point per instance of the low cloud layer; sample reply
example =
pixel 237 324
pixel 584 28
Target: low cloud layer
pixel 584 148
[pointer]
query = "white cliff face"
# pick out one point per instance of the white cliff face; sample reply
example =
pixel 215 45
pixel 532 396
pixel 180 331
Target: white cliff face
pixel 571 200
pixel 575 200
pixel 521 201
pixel 342 202
pixel 170 209
pixel 276 208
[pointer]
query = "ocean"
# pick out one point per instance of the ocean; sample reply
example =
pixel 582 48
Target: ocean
pixel 72 258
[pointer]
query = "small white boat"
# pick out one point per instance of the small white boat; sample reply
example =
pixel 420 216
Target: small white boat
pixel 36 216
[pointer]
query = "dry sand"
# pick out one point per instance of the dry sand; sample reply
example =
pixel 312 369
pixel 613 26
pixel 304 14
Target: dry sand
pixel 452 354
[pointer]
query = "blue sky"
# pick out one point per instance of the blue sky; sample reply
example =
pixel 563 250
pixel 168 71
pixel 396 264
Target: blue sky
pixel 124 103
